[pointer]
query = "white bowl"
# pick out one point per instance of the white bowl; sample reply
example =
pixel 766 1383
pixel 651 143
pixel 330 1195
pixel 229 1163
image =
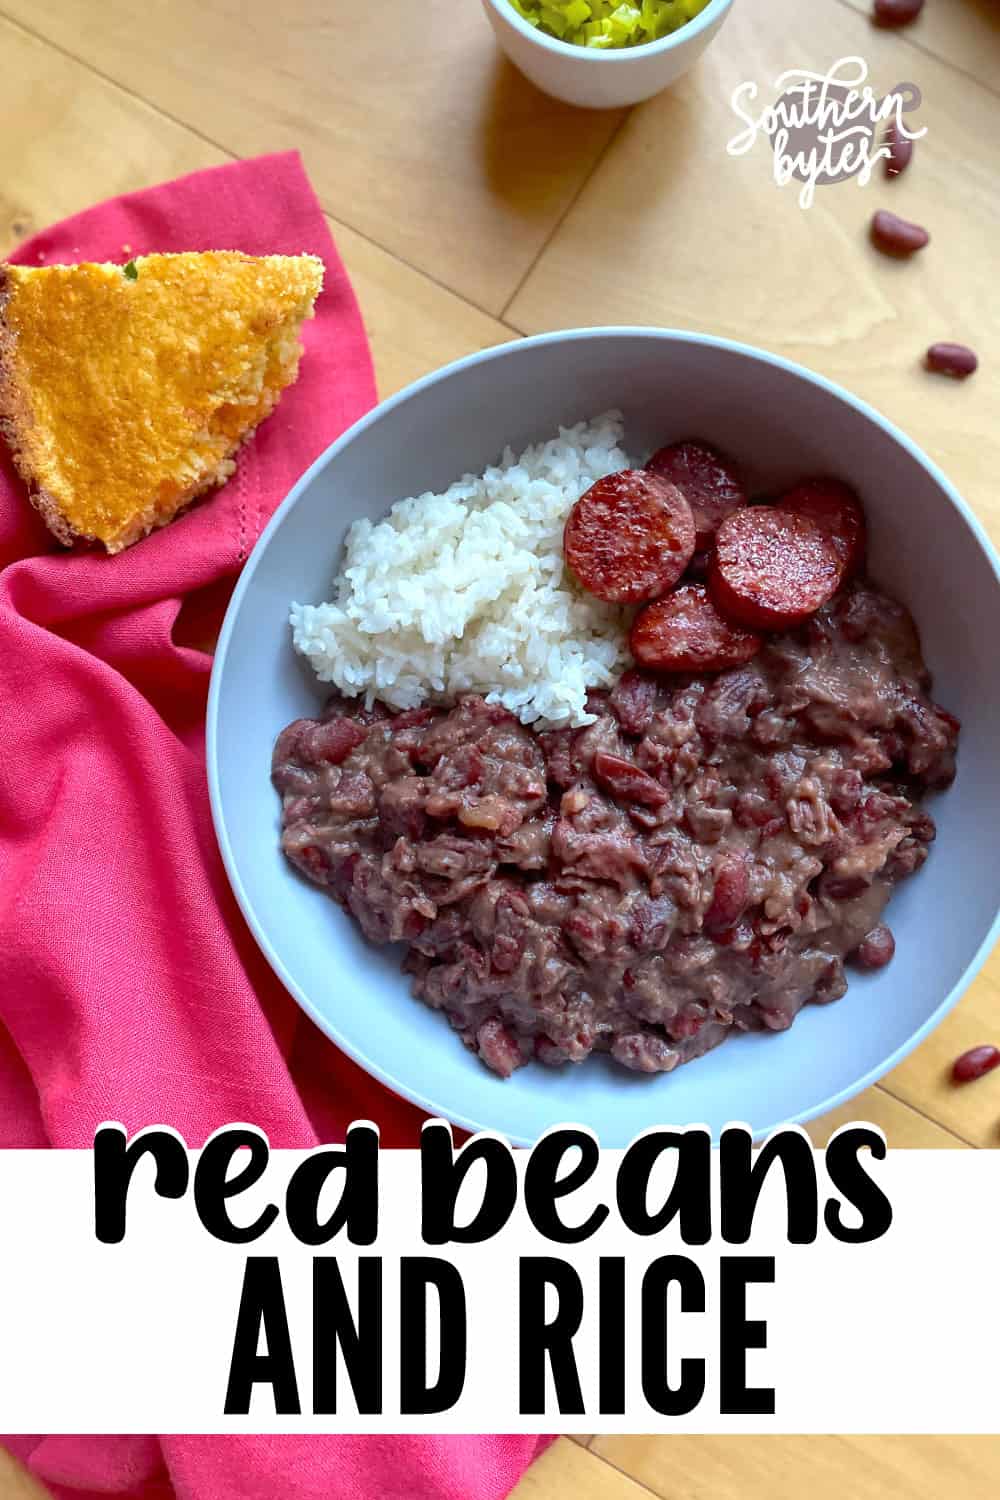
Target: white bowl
pixel 602 78
pixel 783 422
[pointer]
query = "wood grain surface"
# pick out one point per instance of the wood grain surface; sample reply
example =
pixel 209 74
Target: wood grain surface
pixel 785 1468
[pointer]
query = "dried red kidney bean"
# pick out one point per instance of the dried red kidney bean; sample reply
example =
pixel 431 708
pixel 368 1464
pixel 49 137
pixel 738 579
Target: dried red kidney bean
pixel 707 479
pixel 629 537
pixel 956 360
pixel 900 150
pixel 896 12
pixel 896 236
pixel 331 741
pixel 771 568
pixel 974 1063
pixel 685 633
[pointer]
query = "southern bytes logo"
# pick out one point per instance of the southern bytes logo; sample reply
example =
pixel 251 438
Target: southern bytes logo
pixel 824 127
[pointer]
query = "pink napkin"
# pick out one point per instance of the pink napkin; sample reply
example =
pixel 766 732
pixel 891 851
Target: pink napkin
pixel 279 1468
pixel 130 988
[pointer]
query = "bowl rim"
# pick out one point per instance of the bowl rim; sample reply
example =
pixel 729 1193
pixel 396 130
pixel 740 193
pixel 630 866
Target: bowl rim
pixel 690 29
pixel 432 1107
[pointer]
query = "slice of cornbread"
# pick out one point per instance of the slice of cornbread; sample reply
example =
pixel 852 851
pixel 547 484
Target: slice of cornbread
pixel 125 391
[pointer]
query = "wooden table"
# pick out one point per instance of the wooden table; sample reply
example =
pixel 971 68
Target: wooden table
pixel 469 209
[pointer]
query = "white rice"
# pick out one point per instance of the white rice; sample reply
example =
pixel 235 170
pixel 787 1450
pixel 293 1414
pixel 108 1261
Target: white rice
pixel 467 592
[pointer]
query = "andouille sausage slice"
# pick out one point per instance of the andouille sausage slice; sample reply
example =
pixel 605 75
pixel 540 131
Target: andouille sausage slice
pixel 772 568
pixel 629 537
pixel 836 508
pixel 708 480
pixel 686 633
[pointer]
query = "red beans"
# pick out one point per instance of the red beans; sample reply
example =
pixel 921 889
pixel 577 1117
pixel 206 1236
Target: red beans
pixel 900 150
pixel 899 237
pixel 895 236
pixel 772 568
pixel 628 782
pixel 332 741
pixel 635 698
pixel 896 12
pixel 975 1063
pixel 877 948
pixel 731 893
pixel 709 482
pixel 686 633
pixel 836 508
pixel 956 360
pixel 630 537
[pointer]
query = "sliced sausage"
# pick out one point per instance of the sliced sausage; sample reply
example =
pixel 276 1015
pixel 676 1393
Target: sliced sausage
pixel 773 568
pixel 630 537
pixel 900 149
pixel 838 510
pixel 331 741
pixel 709 482
pixel 686 633
pixel 956 360
pixel 896 12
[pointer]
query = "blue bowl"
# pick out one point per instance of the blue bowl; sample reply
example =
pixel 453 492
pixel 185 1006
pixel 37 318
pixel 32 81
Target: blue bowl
pixel 783 422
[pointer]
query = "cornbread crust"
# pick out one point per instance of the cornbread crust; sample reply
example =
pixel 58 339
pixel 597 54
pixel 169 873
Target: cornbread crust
pixel 124 399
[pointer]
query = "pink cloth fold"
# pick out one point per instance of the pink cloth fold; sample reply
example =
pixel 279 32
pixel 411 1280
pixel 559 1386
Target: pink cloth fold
pixel 130 989
pixel 279 1468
